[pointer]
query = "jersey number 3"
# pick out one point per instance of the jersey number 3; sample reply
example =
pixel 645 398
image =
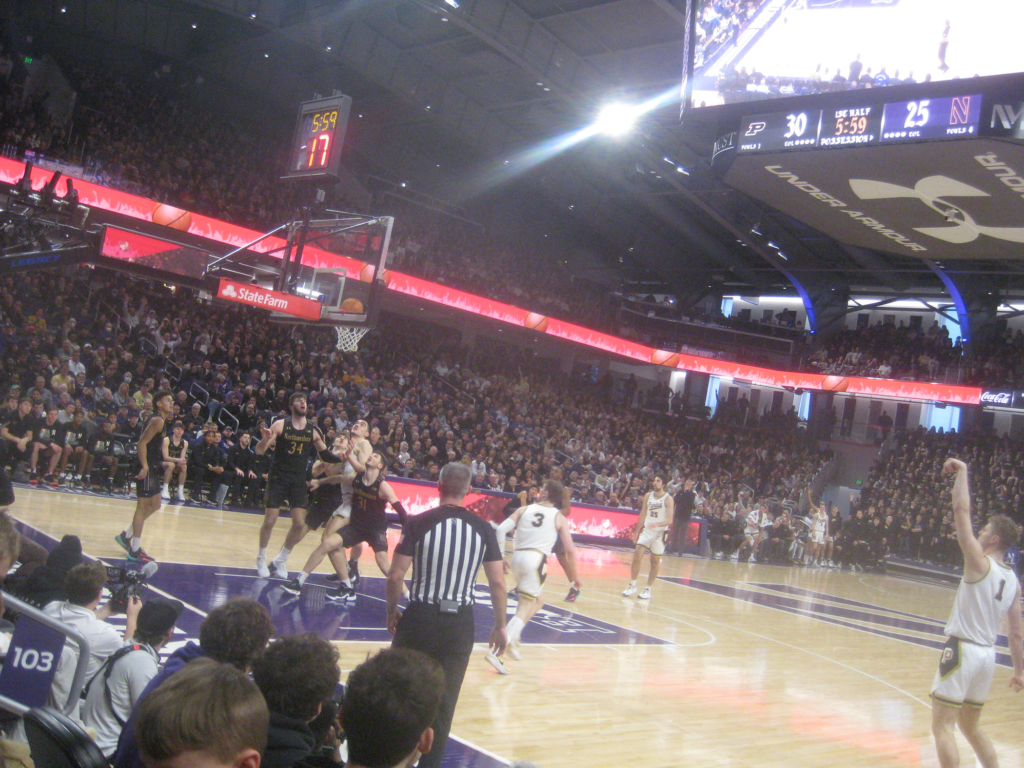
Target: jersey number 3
pixel 538 520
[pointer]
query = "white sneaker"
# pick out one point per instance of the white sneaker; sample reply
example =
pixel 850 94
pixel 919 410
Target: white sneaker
pixel 645 595
pixel 512 649
pixel 181 494
pixel 497 663
pixel 279 569
pixel 752 559
pixel 630 590
pixel 261 567
pixel 165 494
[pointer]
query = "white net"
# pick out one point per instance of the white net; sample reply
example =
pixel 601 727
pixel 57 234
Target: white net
pixel 349 336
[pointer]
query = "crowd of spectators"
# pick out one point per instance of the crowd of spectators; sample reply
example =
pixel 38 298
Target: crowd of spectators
pixel 117 121
pixel 232 698
pixel 888 351
pixel 719 23
pixel 908 492
pixel 89 351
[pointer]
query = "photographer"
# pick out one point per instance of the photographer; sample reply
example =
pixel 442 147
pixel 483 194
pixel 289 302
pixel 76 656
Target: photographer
pixel 119 684
pixel 80 611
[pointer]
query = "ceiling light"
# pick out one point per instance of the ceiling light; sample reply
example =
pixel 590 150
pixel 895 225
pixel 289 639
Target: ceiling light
pixel 616 119
pixel 328 49
pixel 680 169
pixel 402 184
pixel 195 26
pixel 444 18
pixel 252 15
pixel 452 3
pixel 266 55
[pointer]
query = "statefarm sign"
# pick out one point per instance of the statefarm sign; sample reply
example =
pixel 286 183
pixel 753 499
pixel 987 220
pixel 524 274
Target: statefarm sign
pixel 233 235
pixel 275 301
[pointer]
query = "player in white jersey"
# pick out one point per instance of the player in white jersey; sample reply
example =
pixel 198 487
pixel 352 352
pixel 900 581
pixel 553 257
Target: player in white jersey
pixel 538 527
pixel 819 532
pixel 989 589
pixel 355 462
pixel 652 533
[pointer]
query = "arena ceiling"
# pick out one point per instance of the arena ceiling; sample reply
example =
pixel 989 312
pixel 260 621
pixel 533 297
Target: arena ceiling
pixel 486 93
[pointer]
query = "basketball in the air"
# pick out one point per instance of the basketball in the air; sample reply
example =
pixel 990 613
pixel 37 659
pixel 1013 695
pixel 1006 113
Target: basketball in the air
pixel 368 270
pixel 835 384
pixel 169 216
pixel 536 322
pixel 663 357
pixel 352 306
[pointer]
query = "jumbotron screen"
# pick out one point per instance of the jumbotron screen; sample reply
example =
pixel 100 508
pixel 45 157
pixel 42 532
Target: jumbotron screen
pixel 760 49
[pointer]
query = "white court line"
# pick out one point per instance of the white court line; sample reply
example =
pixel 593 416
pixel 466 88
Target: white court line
pixel 712 641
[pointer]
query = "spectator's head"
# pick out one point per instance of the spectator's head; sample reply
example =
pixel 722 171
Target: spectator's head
pixel 178 429
pixel 84 584
pixel 296 675
pixel 207 715
pixel 391 699
pixel 155 623
pixel 243 439
pixel 236 632
pixel 999 533
pixel 453 482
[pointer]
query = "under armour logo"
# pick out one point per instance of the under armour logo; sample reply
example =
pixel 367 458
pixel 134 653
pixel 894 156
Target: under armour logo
pixel 229 290
pixel 931 191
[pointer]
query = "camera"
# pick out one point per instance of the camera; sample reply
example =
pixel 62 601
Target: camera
pixel 125 584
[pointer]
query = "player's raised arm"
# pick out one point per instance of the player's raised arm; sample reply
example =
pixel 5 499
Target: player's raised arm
pixel 975 562
pixel 269 436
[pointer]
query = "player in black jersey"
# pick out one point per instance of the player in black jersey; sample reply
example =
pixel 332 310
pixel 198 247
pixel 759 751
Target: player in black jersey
pixel 174 458
pixel 147 482
pixel 295 440
pixel 370 496
pixel 48 442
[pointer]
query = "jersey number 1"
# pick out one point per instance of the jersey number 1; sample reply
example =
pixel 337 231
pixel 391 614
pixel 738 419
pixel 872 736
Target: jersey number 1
pixel 999 594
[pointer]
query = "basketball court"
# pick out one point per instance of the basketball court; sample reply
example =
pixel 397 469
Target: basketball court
pixel 729 664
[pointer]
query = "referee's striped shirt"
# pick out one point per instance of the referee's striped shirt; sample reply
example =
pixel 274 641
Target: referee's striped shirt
pixel 447 545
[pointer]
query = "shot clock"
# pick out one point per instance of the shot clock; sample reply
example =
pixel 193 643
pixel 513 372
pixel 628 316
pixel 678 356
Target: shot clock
pixel 319 135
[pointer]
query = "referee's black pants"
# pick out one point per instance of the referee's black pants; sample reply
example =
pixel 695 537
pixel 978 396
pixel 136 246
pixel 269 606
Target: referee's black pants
pixel 448 638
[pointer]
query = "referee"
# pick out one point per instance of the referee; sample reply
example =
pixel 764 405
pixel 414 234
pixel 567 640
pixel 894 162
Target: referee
pixel 445 547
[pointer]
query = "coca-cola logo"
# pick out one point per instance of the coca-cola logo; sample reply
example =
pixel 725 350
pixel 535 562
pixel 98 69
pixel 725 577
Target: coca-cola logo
pixel 997 398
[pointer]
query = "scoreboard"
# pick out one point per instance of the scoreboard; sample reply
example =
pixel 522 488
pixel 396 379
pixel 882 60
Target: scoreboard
pixel 955 117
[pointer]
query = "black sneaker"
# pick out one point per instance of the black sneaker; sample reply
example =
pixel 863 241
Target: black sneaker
pixel 123 542
pixel 513 593
pixel 353 572
pixel 139 556
pixel 333 577
pixel 343 594
pixel 294 586
pixel 574 592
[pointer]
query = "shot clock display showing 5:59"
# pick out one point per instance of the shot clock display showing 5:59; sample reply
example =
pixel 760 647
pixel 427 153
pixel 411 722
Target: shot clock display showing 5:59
pixel 319 135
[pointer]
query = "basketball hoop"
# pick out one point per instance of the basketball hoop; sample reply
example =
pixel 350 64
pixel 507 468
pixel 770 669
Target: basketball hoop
pixel 349 336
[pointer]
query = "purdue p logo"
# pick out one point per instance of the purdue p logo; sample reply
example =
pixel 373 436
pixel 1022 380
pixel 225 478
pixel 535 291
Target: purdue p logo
pixel 931 191
pixel 947 655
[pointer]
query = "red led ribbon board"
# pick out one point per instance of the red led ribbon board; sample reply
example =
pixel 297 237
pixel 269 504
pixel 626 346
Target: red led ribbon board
pixel 141 208
pixel 275 301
